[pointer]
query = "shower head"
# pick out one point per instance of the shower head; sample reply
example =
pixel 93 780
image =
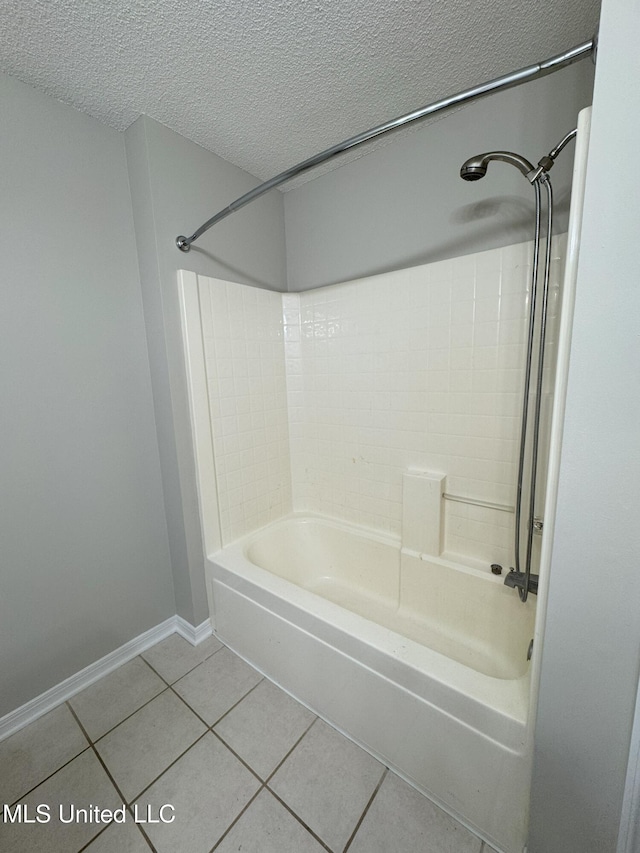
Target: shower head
pixel 476 167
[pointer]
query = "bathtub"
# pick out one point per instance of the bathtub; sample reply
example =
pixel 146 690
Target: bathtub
pixel 420 660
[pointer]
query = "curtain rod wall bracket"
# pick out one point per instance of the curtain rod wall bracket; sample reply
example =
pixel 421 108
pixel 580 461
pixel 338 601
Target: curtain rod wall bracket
pixel 523 75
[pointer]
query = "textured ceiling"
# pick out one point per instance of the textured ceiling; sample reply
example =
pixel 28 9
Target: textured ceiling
pixel 267 83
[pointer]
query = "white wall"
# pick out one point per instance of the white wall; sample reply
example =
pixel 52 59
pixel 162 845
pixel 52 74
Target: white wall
pixel 176 185
pixel 405 204
pixel 84 550
pixel 592 642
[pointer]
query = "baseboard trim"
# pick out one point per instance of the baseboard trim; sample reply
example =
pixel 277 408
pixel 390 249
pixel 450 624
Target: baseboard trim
pixel 194 635
pixel 47 701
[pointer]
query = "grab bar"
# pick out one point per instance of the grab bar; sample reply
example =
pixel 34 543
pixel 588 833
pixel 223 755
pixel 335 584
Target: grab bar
pixel 462 500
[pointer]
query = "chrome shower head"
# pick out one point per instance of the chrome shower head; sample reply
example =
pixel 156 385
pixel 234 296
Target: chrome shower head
pixel 476 167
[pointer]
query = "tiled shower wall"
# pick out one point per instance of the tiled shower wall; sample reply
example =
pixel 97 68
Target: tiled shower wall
pixel 244 352
pixel 416 369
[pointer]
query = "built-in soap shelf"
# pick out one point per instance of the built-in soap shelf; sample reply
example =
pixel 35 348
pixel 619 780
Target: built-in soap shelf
pixel 422 515
pixel 423 496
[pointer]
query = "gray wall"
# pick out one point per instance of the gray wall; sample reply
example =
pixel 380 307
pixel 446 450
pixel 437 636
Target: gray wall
pixel 404 204
pixel 84 549
pixel 177 185
pixel 592 643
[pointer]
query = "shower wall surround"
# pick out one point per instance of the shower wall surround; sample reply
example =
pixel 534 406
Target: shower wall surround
pixel 321 400
pixel 245 362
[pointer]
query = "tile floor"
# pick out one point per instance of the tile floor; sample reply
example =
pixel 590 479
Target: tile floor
pixel 237 763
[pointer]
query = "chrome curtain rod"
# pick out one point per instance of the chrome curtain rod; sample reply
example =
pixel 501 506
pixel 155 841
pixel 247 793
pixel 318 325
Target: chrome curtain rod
pixel 531 72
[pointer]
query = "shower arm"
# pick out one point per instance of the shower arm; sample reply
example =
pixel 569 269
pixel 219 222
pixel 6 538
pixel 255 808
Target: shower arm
pixel 545 163
pixel 523 75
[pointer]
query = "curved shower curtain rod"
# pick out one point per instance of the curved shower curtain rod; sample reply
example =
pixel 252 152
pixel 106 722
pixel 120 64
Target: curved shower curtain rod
pixel 523 75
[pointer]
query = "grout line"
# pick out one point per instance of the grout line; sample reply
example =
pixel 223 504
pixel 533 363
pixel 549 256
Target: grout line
pixel 102 831
pixel 279 765
pixel 91 840
pixel 188 706
pixel 240 759
pixel 168 767
pixel 366 809
pixel 144 660
pixel 109 775
pixel 164 680
pixel 202 719
pixel 235 705
pixel 236 819
pixel 195 666
pixel 300 821
pixel 167 688
pixel 204 722
pixel 128 803
pixel 263 783
pixel 161 677
pixel 248 766
pixel 99 757
pixel 146 838
pixel 128 717
pixel 46 778
pixel 182 699
pixel 90 745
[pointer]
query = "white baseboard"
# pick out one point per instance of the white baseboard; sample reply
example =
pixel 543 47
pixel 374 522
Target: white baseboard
pixel 194 635
pixel 55 696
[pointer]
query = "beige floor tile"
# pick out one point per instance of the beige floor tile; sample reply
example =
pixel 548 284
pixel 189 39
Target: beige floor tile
pixel 113 698
pixel 214 686
pixel 402 820
pixel 267 827
pixel 120 838
pixel 174 657
pixel 159 750
pixel 328 781
pixel 208 787
pixel 264 727
pixel 37 751
pixel 81 783
pixel 142 747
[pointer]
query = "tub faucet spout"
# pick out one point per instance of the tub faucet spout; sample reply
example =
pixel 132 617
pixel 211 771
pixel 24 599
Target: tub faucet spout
pixel 517 580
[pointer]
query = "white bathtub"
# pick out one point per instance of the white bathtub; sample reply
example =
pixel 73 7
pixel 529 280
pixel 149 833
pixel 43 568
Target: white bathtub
pixel 422 661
